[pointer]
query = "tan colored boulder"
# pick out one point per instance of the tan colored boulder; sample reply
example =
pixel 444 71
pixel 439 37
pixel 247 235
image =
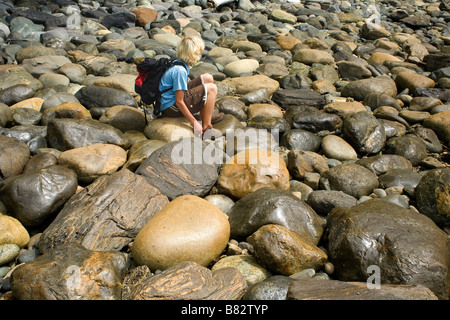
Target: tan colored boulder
pixel 187 229
pixel 249 84
pixel 284 251
pixel 92 161
pixel 412 81
pixel 253 169
pixel 31 103
pixel 12 231
pixel 144 16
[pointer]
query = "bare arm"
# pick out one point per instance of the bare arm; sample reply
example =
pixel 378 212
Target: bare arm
pixel 179 103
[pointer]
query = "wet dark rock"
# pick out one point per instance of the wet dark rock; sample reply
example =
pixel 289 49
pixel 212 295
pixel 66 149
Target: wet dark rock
pixel 399 178
pixel 365 132
pixel 121 20
pixel 269 123
pixel 299 139
pixel 323 201
pixel 394 238
pixel 311 119
pixel 408 146
pixel 95 97
pixel 65 134
pixel 353 179
pixel 232 106
pixel 429 138
pixel 174 170
pixel 14 156
pixel 40 194
pixel 16 94
pixel 71 272
pixel 292 97
pixel 34 136
pixel 433 194
pixel 380 164
pixel 270 206
pixel 359 89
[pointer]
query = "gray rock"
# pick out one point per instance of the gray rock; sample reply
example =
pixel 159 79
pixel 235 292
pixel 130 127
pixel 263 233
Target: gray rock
pixel 16 94
pixel 353 179
pixel 309 118
pixel 364 132
pixel 400 177
pixel 14 156
pixel 323 201
pixel 177 170
pixel 34 197
pixel 65 134
pixel 273 288
pixel 96 97
pixel 381 164
pixel 8 252
pixel 292 97
pixel 359 89
pixel 299 139
pixel 408 146
pixel 270 206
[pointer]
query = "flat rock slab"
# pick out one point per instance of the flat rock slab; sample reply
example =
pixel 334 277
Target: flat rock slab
pixel 106 215
pixel 182 167
pixel 317 289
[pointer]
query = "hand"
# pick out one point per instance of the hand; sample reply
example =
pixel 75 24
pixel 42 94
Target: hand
pixel 198 130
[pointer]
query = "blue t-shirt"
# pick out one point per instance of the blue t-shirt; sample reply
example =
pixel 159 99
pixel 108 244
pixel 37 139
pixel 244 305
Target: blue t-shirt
pixel 177 79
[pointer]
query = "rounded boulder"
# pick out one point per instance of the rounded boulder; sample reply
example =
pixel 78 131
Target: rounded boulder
pixel 187 229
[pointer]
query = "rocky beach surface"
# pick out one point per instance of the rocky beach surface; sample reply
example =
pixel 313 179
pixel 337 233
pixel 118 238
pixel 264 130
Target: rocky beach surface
pixel 328 177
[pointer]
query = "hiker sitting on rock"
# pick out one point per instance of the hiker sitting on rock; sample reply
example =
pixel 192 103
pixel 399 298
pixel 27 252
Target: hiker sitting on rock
pixel 187 98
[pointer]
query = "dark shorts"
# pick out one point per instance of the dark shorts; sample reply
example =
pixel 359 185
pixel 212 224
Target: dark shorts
pixel 194 98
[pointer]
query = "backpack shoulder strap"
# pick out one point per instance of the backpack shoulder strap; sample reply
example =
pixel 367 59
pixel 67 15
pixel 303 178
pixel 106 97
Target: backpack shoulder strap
pixel 179 63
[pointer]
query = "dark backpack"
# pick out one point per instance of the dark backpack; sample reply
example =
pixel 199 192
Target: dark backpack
pixel 147 82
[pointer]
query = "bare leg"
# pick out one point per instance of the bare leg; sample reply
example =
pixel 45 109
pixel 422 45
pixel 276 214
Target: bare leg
pixel 207 111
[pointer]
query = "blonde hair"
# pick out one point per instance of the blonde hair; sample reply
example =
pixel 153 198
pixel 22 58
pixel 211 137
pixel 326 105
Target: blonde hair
pixel 190 49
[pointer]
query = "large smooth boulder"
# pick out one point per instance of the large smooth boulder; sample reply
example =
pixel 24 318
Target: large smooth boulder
pixel 406 246
pixel 35 197
pixel 177 233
